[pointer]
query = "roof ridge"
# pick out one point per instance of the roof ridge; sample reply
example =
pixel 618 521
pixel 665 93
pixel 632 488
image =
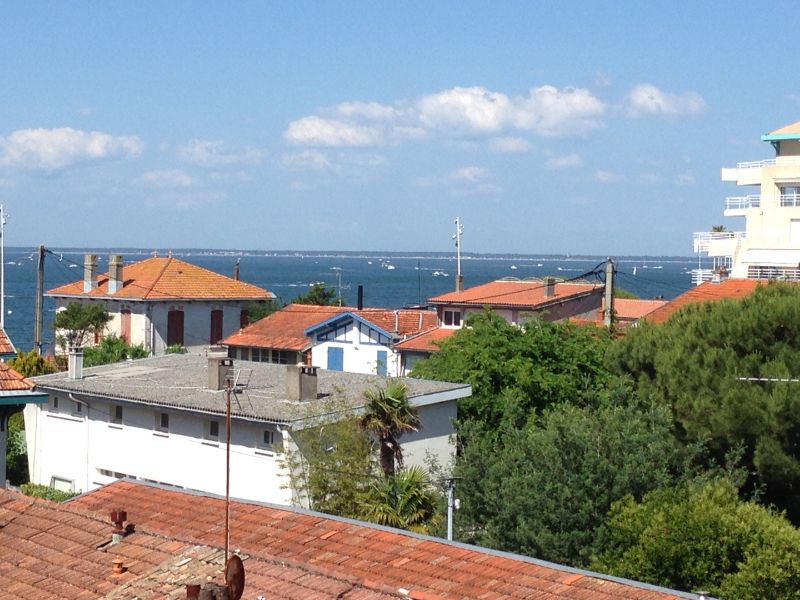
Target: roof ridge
pixel 158 278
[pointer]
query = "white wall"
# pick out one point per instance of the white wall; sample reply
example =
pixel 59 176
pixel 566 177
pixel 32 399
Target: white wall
pixel 360 353
pixel 72 447
pixel 436 437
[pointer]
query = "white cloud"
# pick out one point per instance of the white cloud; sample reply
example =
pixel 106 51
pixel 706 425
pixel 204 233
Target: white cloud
pixel 316 131
pixel 183 200
pixel 606 176
pixel 308 159
pixel 167 178
pixel 64 146
pixel 509 144
pixel 215 153
pixel 469 174
pixel 545 110
pixel 645 99
pixel 568 161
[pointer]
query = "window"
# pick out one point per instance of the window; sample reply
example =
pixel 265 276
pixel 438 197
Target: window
pixel 162 422
pixel 116 414
pixel 175 328
pixel 216 326
pixel 125 324
pixel 335 359
pixel 62 484
pixel 280 356
pixel 452 318
pixel 54 405
pixel 244 319
pixel 212 431
pixel 77 408
pixel 266 439
pixel 380 367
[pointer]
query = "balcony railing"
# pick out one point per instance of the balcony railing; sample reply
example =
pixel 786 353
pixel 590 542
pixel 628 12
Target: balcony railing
pixel 755 164
pixel 766 272
pixel 790 199
pixel 701 275
pixel 704 239
pixel 742 202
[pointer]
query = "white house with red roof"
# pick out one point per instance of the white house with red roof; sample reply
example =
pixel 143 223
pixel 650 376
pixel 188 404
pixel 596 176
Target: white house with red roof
pixel 15 392
pixel 163 301
pixel 338 338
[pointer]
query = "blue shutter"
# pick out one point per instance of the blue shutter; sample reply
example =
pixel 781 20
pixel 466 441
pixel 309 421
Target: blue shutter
pixel 381 370
pixel 335 359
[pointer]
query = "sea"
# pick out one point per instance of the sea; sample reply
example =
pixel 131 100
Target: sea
pixel 389 279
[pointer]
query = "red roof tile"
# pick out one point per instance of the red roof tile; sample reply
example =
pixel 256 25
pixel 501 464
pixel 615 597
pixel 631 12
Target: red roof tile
pixel 706 292
pixel 380 558
pixel 426 341
pixel 515 293
pixel 12 381
pixel 285 329
pixel 166 278
pixel 6 347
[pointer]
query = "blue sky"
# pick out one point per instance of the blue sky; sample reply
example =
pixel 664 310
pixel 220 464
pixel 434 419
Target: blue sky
pixel 548 127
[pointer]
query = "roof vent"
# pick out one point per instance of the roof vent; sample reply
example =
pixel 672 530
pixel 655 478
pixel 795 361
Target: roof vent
pixel 115 280
pixel 549 287
pixel 301 383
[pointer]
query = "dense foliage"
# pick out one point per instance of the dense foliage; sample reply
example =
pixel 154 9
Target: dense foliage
pixel 259 309
pixel 319 294
pixel 79 320
pixel 702 536
pixel 16 451
pixel 406 500
pixel 42 491
pixel 694 364
pixel 112 349
pixel 388 414
pixel 31 364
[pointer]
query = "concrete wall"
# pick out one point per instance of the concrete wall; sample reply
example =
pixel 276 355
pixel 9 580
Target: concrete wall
pixel 436 438
pixel 89 449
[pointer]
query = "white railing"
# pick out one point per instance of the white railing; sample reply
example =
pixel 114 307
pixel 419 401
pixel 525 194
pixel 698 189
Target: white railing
pixel 701 275
pixel 704 239
pixel 790 199
pixel 742 202
pixel 780 273
pixel 756 163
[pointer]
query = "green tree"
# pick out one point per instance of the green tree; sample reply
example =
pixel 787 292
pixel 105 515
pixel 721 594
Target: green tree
pixel 79 320
pixel 694 363
pixel 545 489
pixel 522 369
pixel 388 414
pixel 16 450
pixel 112 349
pixel 702 536
pixel 31 364
pixel 406 500
pixel 319 294
pixel 259 309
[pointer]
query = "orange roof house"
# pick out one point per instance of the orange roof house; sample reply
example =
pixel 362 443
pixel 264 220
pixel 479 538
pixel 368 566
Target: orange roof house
pixel 163 301
pixel 15 392
pixel 62 551
pixel 706 292
pixel 292 334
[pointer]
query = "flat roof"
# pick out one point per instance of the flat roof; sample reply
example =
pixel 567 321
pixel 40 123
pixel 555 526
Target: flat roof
pixel 180 381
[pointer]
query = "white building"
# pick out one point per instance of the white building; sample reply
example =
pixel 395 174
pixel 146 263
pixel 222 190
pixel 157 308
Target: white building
pixel 163 301
pixel 769 246
pixel 162 419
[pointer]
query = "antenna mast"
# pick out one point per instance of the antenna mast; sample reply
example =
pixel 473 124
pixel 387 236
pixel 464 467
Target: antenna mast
pixel 457 238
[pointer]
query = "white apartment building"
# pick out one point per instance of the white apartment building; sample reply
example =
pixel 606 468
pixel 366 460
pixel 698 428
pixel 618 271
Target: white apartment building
pixel 769 246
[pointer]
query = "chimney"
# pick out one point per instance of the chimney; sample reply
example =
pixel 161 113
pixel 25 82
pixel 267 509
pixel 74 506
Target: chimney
pixel 118 518
pixel 236 269
pixel 360 297
pixel 115 280
pixel 89 272
pixel 75 363
pixel 301 383
pixel 192 591
pixel 218 369
pixel 117 566
pixel 549 287
pixel 720 274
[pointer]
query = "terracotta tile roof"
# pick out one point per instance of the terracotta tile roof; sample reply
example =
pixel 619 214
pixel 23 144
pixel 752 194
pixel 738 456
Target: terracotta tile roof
pixel 6 347
pixel 166 278
pixel 378 557
pixel 52 551
pixel 426 341
pixel 792 128
pixel 514 293
pixel 285 329
pixel 633 309
pixel 706 292
pixel 12 381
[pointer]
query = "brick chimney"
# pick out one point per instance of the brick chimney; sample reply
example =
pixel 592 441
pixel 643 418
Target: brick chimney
pixel 115 280
pixel 549 287
pixel 89 272
pixel 301 383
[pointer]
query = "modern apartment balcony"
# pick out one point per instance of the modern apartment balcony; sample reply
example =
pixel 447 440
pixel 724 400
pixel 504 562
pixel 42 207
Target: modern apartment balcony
pixel 790 200
pixel 718 243
pixel 737 206
pixel 702 275
pixel 749 173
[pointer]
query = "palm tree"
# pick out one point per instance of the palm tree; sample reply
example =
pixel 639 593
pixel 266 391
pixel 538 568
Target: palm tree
pixel 406 500
pixel 388 415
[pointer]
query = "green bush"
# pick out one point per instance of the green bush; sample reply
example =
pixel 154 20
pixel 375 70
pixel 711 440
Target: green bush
pixel 36 490
pixel 174 349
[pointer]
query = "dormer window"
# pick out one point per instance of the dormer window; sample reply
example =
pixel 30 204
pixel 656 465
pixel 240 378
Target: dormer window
pixel 451 318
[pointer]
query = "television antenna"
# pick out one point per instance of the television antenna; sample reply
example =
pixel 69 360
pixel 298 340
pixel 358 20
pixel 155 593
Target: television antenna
pixel 457 238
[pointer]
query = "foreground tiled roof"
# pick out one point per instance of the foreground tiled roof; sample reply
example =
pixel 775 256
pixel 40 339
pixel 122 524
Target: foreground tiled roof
pixel 427 340
pixel 515 293
pixel 12 381
pixel 375 558
pixel 166 278
pixel 180 381
pixel 706 292
pixel 6 347
pixel 52 551
pixel 285 329
pixel 632 309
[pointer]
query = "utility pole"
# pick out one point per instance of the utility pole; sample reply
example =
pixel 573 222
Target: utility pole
pixel 609 295
pixel 452 504
pixel 39 316
pixel 457 238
